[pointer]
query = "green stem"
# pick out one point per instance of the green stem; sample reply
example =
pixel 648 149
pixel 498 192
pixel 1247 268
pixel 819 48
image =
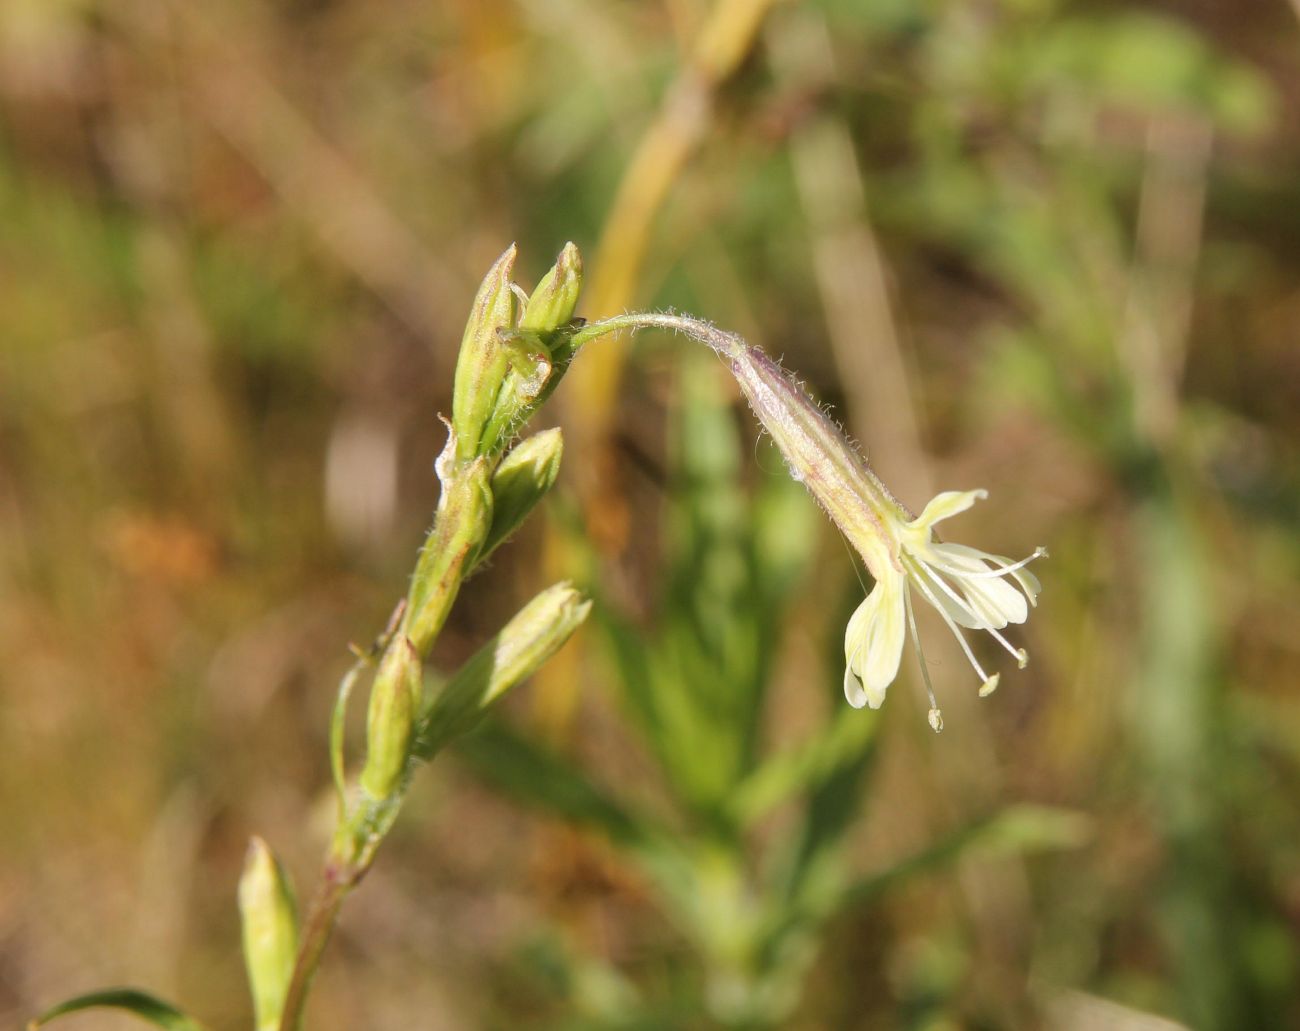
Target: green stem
pixel 729 345
pixel 462 523
pixel 337 881
pixel 838 475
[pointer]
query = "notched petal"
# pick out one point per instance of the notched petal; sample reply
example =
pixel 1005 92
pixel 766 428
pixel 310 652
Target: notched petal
pixel 997 601
pixel 873 641
pixel 945 506
pixel 853 691
pixel 991 598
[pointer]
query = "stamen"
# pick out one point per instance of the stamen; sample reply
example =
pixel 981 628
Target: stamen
pixel 990 685
pixel 962 603
pixel 997 570
pixel 936 720
pixel 1019 654
pixel 1028 583
pixel 920 655
pixel 943 614
pixel 976 607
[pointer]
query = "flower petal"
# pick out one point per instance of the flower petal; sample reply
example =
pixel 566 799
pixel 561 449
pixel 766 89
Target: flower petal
pixel 873 643
pixel 945 506
pixel 990 597
pixel 954 604
pixel 853 689
pixel 1027 581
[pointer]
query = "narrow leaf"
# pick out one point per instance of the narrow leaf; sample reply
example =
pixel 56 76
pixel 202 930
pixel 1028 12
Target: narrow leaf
pixel 338 723
pixel 141 1004
pixel 1015 830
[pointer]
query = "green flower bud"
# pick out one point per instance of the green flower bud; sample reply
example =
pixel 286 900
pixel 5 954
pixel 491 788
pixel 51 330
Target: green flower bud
pixel 270 932
pixel 394 702
pixel 550 312
pixel 520 482
pixel 539 349
pixel 462 523
pixel 553 302
pixel 528 640
pixel 483 363
pixel 529 375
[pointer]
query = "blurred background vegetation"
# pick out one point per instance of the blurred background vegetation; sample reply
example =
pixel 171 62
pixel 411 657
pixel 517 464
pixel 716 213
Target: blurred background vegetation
pixel 1048 248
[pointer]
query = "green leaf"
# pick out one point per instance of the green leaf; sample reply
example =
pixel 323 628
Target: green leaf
pixel 142 1004
pixel 1015 830
pixel 805 767
pixel 695 685
pixel 1150 63
pixel 535 633
pixel 822 891
pixel 546 780
pixel 365 659
pixel 338 726
pixel 516 765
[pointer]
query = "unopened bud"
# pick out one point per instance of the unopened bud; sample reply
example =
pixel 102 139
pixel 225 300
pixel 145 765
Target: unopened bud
pixel 462 523
pixel 553 302
pixel 528 377
pixel 539 350
pixel 394 703
pixel 520 482
pixel 528 640
pixel 483 362
pixel 270 927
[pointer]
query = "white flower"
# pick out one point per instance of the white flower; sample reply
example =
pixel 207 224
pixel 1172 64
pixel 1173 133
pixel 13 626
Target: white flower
pixel 969 588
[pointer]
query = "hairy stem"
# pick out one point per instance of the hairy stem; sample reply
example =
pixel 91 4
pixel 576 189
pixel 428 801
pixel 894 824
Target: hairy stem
pixel 728 345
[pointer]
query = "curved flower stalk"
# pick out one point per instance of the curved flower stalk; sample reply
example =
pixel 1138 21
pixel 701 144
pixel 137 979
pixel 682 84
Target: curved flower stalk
pixel 969 588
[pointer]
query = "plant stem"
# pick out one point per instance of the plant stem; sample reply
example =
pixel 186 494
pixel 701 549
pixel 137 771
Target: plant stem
pixel 337 880
pixel 728 345
pixel 445 556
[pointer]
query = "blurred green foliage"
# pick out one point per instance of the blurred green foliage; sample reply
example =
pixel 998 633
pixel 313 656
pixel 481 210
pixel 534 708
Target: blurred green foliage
pixel 238 245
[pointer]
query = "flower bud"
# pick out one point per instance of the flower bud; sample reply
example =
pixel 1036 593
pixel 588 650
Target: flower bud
pixel 394 702
pixel 529 375
pixel 553 302
pixel 462 523
pixel 521 480
pixel 528 640
pixel 538 351
pixel 483 362
pixel 270 932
